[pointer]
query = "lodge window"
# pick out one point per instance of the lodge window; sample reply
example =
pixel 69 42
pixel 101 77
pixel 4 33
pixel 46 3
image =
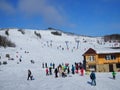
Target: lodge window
pixel 110 57
pixel 91 58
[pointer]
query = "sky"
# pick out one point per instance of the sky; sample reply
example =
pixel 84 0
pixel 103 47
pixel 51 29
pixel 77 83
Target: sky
pixel 84 17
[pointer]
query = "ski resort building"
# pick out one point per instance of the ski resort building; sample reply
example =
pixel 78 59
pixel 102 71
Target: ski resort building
pixel 102 60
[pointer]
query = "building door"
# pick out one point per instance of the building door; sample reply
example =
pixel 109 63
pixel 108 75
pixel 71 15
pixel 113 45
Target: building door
pixel 110 67
pixel 92 67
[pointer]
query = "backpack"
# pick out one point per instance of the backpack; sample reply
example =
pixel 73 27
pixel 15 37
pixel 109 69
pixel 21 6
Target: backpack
pixel 92 76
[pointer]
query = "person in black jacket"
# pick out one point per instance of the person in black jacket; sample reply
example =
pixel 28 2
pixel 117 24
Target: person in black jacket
pixel 29 75
pixel 68 70
pixel 56 72
pixel 93 78
pixel 50 70
pixel 53 66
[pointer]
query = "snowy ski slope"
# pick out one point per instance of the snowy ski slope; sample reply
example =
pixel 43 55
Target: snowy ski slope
pixel 49 48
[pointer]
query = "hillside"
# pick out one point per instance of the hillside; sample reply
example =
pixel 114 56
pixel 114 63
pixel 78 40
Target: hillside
pixel 43 46
pixel 64 45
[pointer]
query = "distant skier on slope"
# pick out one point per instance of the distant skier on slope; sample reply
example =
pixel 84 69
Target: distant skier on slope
pixel 29 75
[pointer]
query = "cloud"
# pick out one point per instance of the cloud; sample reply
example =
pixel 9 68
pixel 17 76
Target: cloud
pixel 6 7
pixel 41 8
pixel 49 13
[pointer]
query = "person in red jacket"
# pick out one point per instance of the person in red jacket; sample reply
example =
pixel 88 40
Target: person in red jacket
pixel 82 71
pixel 47 71
pixel 76 67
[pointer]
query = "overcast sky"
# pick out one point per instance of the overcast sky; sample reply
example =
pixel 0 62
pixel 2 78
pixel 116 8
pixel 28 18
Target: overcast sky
pixel 85 17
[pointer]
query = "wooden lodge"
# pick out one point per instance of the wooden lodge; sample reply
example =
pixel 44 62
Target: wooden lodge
pixel 102 60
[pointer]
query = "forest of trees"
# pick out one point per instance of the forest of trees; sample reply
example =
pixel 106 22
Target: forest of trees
pixel 112 37
pixel 4 42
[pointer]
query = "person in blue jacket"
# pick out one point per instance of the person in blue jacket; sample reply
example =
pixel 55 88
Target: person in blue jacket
pixel 73 69
pixel 93 78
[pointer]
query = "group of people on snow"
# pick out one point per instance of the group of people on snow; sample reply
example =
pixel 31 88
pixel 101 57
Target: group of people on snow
pixel 62 70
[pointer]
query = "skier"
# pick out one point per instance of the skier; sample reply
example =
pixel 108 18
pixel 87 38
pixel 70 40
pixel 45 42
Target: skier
pixel 29 75
pixel 42 65
pixel 50 70
pixel 93 78
pixel 47 71
pixel 65 68
pixel 46 65
pixel 60 70
pixel 68 70
pixel 63 74
pixel 82 71
pixel 73 70
pixel 80 65
pixel 76 66
pixel 53 66
pixel 56 72
pixel 20 60
pixel 113 74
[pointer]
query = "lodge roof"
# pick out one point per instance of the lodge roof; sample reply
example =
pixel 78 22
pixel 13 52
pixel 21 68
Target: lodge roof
pixel 101 51
pixel 90 51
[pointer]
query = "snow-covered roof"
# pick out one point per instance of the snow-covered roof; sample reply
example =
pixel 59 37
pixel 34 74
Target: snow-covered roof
pixel 101 51
pixel 106 50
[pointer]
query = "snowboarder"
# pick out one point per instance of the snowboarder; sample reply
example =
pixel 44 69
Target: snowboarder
pixel 113 74
pixel 29 75
pixel 56 72
pixel 93 78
